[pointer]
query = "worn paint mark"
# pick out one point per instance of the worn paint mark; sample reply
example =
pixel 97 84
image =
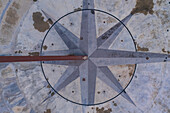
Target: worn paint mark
pixel 159 2
pixel 4 11
pixel 110 20
pixel 143 6
pixel 12 16
pixel 163 15
pixel 7 73
pixel 16 5
pixel 39 22
pixel 17 109
pixel 103 111
pixel 142 48
pixel 0 3
pixel 163 50
pixel 6 31
pixel 34 54
pixel 47 111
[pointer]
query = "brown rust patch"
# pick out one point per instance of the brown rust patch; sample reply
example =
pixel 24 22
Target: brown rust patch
pixel 52 94
pixel 131 68
pixel 103 111
pixel 48 86
pixel 142 48
pixel 19 51
pixel 39 22
pixel 77 9
pixel 34 54
pixel 163 50
pixel 143 6
pixel 83 79
pixel 45 47
pixel 47 111
pixel 115 104
pixel 12 16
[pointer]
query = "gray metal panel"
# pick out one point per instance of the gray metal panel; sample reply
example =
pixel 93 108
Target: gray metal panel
pixel 104 57
pixel 92 72
pixel 105 53
pixel 106 39
pixel 88 72
pixel 124 61
pixel 83 72
pixel 66 62
pixel 68 76
pixel 88 39
pixel 63 52
pixel 71 40
pixel 108 78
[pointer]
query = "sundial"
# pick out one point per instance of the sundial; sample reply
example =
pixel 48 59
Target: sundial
pixel 81 60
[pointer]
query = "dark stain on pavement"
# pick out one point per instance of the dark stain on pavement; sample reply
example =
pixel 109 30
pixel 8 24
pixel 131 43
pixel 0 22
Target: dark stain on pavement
pixel 143 6
pixel 39 22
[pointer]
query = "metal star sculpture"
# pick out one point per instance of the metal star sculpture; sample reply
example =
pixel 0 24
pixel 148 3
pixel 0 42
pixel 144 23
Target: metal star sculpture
pixel 98 56
pixel 91 56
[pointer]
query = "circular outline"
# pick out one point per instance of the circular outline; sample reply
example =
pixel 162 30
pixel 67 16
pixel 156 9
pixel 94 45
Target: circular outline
pixel 42 62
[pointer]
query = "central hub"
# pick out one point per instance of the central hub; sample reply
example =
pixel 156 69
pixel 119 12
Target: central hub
pixel 85 57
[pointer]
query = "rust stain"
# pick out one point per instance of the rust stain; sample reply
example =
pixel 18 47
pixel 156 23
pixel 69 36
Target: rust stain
pixel 45 47
pixel 34 54
pixel 159 2
pixel 123 73
pixel 142 48
pixel 39 22
pixel 115 104
pixel 143 6
pixel 16 5
pixel 163 50
pixel 47 111
pixel 77 9
pixel 6 30
pixel 12 16
pixel 110 20
pixel 0 3
pixel 131 68
pixel 163 15
pixel 103 111
pixel 18 51
pixel 52 94
pixel 11 20
pixel 48 86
